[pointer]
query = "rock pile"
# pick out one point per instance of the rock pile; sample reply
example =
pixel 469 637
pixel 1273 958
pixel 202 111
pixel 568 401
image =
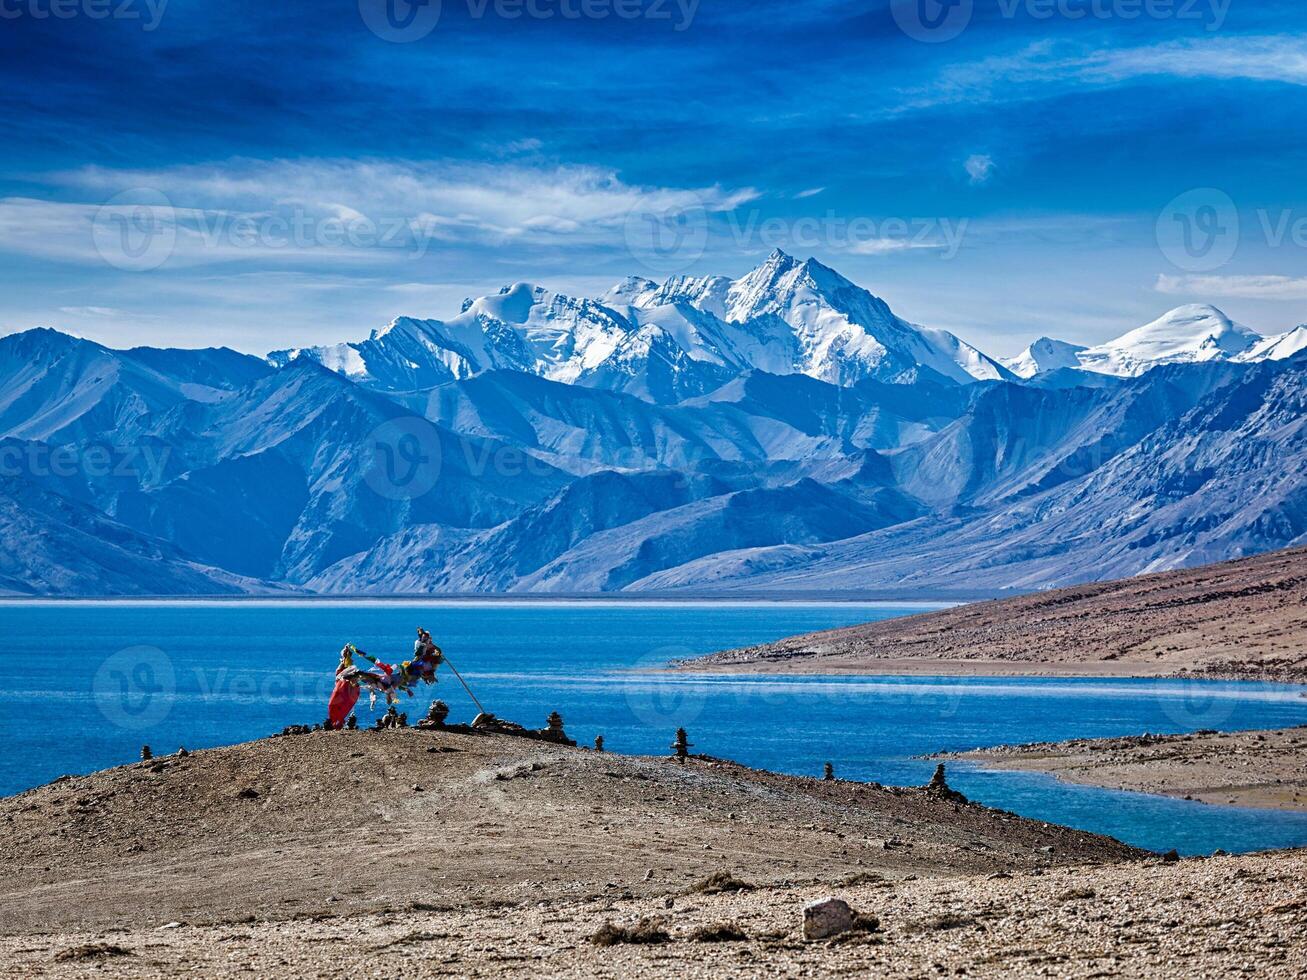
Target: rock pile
pixel 938 786
pixel 681 745
pixel 436 715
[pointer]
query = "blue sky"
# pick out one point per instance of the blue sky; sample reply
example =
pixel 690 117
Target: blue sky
pixel 283 174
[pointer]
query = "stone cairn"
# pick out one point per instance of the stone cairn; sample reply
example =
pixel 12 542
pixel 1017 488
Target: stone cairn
pixel 554 730
pixel 352 723
pixel 599 743
pixel 437 714
pixel 146 754
pixel 829 773
pixel 682 745
pixel 392 719
pixel 938 786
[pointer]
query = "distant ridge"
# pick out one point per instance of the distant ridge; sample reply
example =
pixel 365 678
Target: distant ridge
pixel 784 433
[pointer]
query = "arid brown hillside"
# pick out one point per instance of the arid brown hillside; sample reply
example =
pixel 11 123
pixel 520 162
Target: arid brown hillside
pixel 343 823
pixel 1246 618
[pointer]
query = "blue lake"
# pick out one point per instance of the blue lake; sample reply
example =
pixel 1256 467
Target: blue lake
pixel 88 684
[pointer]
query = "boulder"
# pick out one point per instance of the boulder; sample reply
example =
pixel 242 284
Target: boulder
pixel 828 917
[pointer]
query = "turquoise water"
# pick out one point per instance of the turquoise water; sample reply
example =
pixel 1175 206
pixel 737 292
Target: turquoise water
pixel 87 684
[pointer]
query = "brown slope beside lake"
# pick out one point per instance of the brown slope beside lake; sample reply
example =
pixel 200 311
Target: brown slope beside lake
pixel 1240 619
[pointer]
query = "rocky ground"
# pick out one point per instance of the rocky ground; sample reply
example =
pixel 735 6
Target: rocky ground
pixel 1242 619
pixel 352 822
pixel 1230 916
pixel 412 853
pixel 1256 769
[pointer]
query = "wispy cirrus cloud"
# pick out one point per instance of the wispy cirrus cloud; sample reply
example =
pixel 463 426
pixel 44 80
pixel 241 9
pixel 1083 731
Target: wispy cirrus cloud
pixel 888 246
pixel 1263 59
pixel 1059 64
pixel 107 312
pixel 337 208
pixel 501 200
pixel 1241 287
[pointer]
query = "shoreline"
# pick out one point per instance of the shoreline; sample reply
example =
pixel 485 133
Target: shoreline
pixel 852 666
pixel 488 601
pixel 1263 769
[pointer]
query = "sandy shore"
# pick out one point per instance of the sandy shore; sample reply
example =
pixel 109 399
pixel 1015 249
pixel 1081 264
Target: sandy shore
pixel 1245 619
pixel 1255 769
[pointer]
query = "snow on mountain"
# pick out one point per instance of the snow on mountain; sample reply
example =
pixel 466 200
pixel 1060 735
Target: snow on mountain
pixel 635 443
pixel 708 293
pixel 527 328
pixel 1186 335
pixel 1194 334
pixel 841 332
pixel 1044 356
pixel 664 341
pixel 523 328
pixel 1279 348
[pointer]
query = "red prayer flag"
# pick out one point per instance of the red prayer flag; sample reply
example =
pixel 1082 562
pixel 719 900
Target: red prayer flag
pixel 343 699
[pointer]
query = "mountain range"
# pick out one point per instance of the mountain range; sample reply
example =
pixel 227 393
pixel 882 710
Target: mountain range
pixel 785 432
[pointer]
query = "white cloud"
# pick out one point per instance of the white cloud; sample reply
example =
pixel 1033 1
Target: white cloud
pixel 1032 71
pixel 979 167
pixel 1266 59
pixel 345 209
pixel 884 246
pixel 96 311
pixel 810 192
pixel 1242 287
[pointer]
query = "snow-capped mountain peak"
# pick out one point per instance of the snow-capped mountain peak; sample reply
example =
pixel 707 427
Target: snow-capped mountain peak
pixel 845 333
pixel 802 317
pixel 1044 355
pixel 1192 334
pixel 785 317
pixel 632 291
pixel 1186 335
pixel 1279 348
